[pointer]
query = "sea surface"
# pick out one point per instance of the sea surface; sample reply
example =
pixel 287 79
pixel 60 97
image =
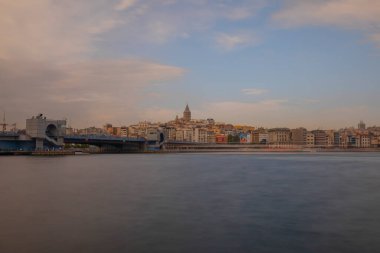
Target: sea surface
pixel 224 202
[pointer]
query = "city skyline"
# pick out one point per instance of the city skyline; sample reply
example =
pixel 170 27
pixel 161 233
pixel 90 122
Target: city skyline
pixel 264 63
pixel 186 129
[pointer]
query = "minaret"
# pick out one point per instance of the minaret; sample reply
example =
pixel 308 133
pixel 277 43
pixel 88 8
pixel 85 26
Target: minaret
pixel 187 114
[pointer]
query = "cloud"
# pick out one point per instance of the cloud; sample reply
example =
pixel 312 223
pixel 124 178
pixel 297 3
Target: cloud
pixel 231 41
pixel 47 63
pixel 67 30
pixel 375 38
pixel 51 61
pixel 362 15
pixel 240 13
pixel 52 30
pixel 87 92
pixel 125 4
pixel 157 22
pixel 254 91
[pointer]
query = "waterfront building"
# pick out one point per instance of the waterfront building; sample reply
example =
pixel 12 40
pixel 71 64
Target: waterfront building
pixel 108 128
pixel 260 136
pixel 116 131
pixel 221 138
pixel 245 138
pixel 320 138
pixel 170 133
pixel 348 139
pixel 331 138
pixel 351 141
pixel 279 136
pixel 336 139
pixel 179 135
pixel 210 137
pixel 363 141
pixel 375 141
pixel 132 132
pixel 184 134
pixel 343 140
pixel 310 139
pixel 188 135
pixel 135 131
pixel 123 131
pixel 200 135
pixel 298 136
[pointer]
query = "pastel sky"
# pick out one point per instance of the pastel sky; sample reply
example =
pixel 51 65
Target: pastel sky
pixel 271 63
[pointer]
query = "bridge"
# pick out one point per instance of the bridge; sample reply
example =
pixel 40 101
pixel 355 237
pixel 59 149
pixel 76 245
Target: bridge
pixel 109 144
pixel 46 134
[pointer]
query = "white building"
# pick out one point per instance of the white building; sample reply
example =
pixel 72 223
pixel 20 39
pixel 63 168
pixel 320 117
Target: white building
pixel 200 135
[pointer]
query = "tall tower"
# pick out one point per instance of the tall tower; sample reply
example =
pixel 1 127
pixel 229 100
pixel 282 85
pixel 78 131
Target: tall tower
pixel 187 114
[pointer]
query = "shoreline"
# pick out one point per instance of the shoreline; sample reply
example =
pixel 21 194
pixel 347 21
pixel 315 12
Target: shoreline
pixel 182 151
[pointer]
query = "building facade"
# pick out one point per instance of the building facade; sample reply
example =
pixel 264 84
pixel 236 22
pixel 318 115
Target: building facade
pixel 279 136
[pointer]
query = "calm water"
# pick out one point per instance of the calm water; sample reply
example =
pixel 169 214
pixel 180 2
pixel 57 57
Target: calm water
pixel 191 203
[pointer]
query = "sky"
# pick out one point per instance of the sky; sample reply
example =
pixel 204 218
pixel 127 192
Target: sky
pixel 270 63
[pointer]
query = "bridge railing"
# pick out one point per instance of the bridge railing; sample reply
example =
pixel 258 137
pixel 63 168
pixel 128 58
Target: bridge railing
pixel 103 138
pixel 9 134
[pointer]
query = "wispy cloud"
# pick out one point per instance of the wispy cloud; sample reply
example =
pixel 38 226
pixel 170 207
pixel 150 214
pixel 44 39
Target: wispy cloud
pixel 254 91
pixel 240 13
pixel 65 30
pixel 164 20
pixel 125 4
pixel 375 37
pixel 231 41
pixel 363 15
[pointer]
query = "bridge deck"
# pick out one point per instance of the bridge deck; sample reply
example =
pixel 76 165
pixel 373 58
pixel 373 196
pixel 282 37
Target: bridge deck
pixel 84 139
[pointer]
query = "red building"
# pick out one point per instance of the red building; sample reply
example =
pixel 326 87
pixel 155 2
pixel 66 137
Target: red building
pixel 221 138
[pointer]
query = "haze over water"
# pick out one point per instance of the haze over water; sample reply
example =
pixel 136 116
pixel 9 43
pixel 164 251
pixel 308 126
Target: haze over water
pixel 191 203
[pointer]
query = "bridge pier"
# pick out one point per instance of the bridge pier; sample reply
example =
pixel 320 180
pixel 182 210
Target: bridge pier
pixel 46 133
pixel 39 144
